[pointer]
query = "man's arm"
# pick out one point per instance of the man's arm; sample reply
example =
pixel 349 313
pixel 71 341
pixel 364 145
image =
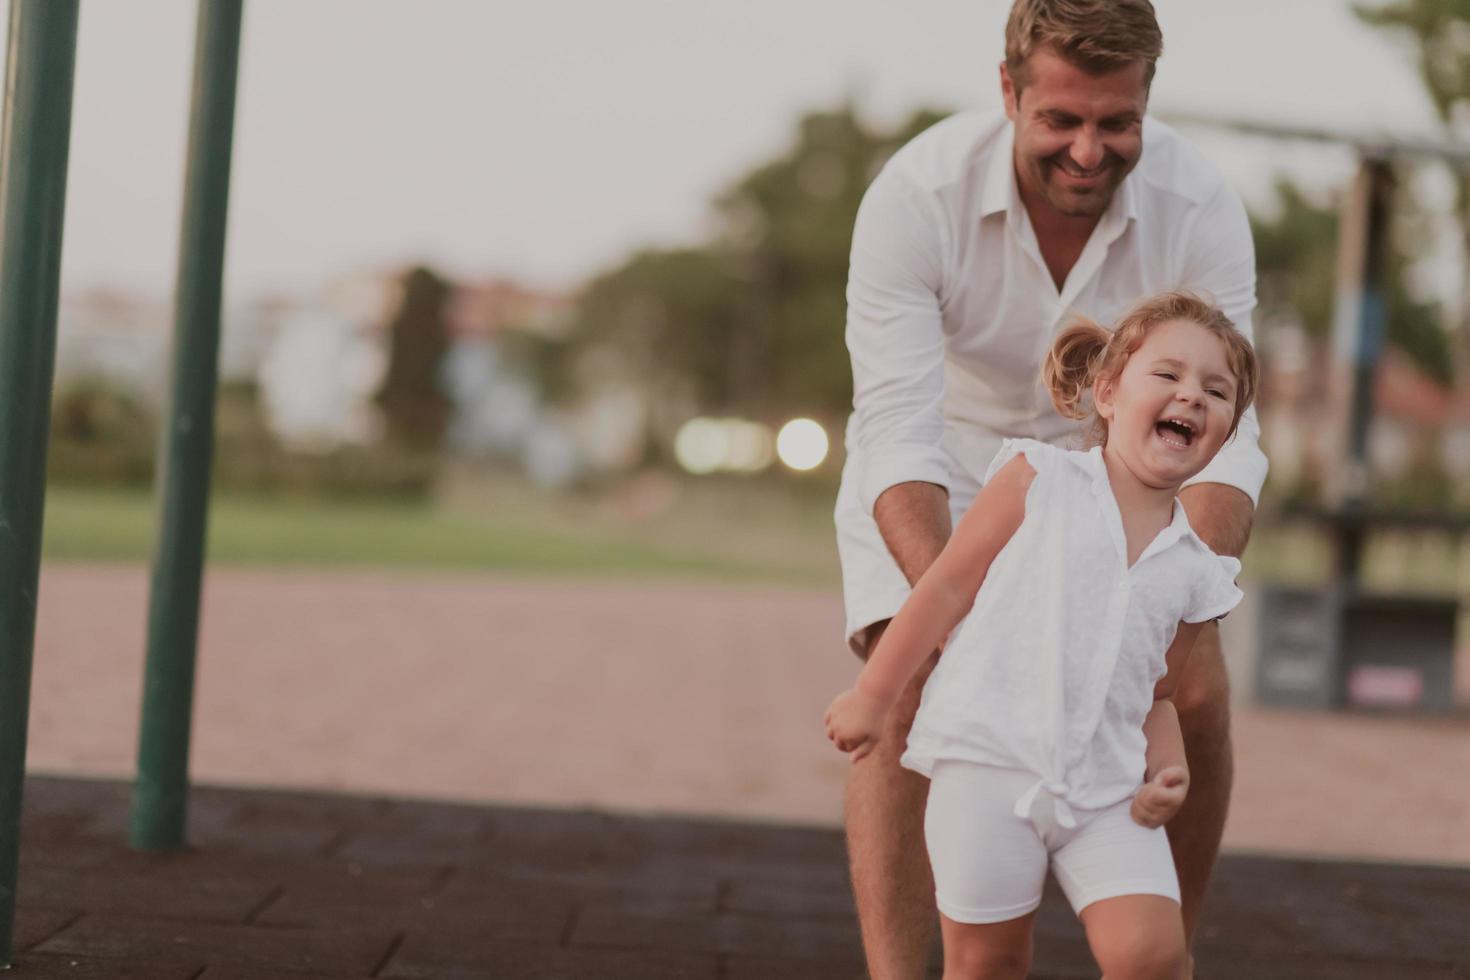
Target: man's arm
pixel 1221 515
pixel 914 521
pixel 896 342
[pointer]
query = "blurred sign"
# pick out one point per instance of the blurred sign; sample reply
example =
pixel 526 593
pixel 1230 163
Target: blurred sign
pixel 1298 648
pixel 1333 647
pixel 1378 686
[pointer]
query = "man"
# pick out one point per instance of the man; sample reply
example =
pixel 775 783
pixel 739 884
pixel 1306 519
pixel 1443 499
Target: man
pixel 977 242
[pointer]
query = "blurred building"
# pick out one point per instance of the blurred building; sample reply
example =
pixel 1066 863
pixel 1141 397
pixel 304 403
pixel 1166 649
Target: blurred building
pixel 318 377
pixel 323 360
pixel 124 338
pixel 497 403
pixel 115 336
pixel 326 359
pixel 498 326
pixel 1416 421
pixel 1415 418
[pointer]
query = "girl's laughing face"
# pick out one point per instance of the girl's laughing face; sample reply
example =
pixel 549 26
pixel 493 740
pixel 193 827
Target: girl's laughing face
pixel 1170 409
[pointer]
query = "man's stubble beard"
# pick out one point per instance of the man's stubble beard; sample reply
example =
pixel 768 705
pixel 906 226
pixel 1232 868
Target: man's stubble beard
pixel 1073 205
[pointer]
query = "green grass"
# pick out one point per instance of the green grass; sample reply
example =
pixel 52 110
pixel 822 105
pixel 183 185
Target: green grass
pixel 718 531
pixel 767 531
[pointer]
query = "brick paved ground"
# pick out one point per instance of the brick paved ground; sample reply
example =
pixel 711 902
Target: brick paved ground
pixel 299 886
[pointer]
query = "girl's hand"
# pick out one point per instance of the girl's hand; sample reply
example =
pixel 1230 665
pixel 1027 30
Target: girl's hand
pixel 1161 797
pixel 853 723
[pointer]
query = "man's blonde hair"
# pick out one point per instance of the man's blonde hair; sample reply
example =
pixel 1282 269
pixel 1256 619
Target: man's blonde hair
pixel 1097 36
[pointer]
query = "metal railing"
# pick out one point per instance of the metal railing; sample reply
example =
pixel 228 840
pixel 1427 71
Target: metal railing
pixel 33 156
pixel 33 165
pixel 160 801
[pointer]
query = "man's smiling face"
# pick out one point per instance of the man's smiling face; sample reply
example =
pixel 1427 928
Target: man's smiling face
pixel 1077 134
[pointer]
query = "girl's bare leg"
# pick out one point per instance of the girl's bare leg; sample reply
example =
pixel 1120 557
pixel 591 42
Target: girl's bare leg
pixel 1137 937
pixel 993 951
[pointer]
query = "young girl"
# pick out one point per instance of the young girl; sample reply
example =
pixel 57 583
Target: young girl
pixel 1078 589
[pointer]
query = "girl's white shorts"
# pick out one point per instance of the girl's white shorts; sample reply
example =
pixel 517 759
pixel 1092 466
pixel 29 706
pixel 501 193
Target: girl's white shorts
pixel 990 865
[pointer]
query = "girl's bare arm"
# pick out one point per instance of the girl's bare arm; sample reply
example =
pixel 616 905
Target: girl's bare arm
pixel 939 601
pixel 1166 772
pixel 1161 727
pixel 945 593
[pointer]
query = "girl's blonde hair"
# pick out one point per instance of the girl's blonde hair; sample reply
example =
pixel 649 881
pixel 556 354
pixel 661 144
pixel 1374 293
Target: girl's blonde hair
pixel 1086 351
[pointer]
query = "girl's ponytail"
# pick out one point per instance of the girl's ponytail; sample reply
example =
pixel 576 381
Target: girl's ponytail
pixel 1072 365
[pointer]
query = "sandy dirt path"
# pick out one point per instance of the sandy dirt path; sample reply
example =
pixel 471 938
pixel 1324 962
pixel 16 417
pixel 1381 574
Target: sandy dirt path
pixel 690 699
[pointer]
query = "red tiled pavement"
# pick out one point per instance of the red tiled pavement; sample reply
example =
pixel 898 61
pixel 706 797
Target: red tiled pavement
pixel 684 699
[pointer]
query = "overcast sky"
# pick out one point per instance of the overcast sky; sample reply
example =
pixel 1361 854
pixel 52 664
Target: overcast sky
pixel 546 140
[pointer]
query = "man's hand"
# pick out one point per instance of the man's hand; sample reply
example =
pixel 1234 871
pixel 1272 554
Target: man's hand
pixel 1161 797
pixel 854 721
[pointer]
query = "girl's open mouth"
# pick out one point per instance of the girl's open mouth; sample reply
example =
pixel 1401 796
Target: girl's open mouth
pixel 1175 432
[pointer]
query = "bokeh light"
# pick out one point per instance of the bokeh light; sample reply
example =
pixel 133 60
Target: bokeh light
pixel 706 445
pixel 802 444
pixel 751 446
pixel 701 445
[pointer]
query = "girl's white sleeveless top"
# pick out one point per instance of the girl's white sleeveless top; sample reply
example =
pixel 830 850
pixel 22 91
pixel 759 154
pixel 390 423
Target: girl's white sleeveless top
pixel 1053 670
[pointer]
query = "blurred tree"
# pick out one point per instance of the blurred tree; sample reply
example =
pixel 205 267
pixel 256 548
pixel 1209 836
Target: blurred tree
pixel 95 410
pixel 100 433
pixel 414 406
pixel 669 317
pixel 788 225
pixel 663 323
pixel 751 321
pixel 1439 33
pixel 1296 264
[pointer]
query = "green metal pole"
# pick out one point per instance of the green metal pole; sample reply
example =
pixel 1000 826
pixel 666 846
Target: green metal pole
pixel 33 152
pixel 160 802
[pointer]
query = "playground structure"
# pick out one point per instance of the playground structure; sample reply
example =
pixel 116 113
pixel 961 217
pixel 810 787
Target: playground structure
pixel 1343 645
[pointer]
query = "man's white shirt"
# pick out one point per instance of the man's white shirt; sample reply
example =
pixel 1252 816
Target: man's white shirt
pixel 951 309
